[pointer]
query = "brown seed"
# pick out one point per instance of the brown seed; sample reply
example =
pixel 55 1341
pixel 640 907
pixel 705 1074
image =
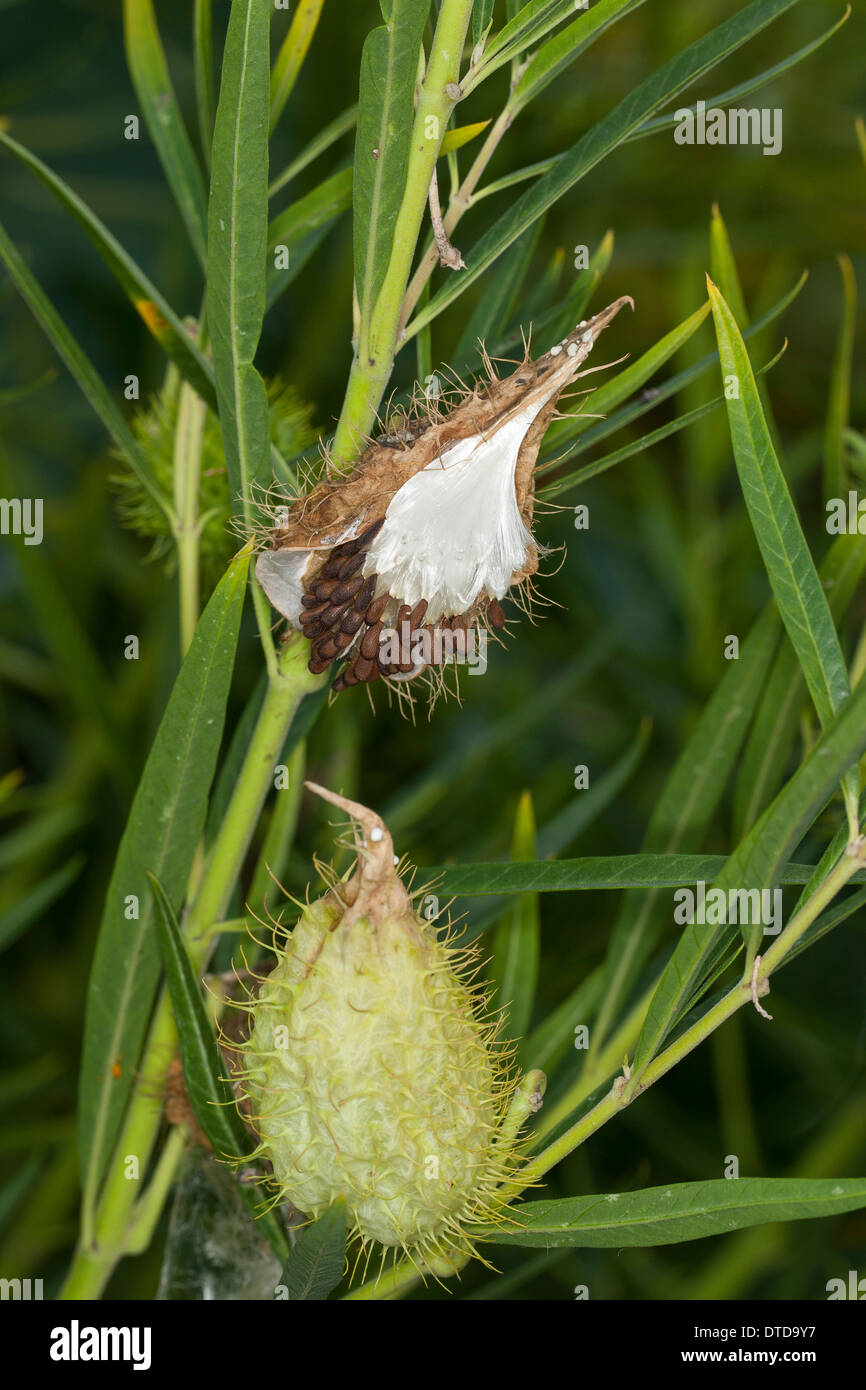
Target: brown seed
pixel 417 614
pixel 365 670
pixel 338 685
pixel 323 588
pixel 459 623
pixel 310 601
pixel 344 639
pixel 495 615
pixel 326 649
pixel 313 630
pixel 342 593
pixel 370 642
pixel 348 566
pixel 376 609
pixel 365 594
pixel 361 542
pixel 352 621
pixel 349 676
pixel 332 613
pixel 311 615
pixel 317 665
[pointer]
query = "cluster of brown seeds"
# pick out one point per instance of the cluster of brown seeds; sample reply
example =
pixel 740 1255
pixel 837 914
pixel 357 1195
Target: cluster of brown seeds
pixel 340 610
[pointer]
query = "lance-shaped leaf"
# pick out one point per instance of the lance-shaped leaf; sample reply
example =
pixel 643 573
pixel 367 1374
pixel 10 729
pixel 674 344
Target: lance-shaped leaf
pixel 687 802
pixel 389 67
pixel 757 863
pixel 79 365
pixel 606 870
pixel 161 834
pixel 790 568
pixel 839 406
pixel 152 83
pixel 154 310
pixel 237 241
pixel 681 1211
pixel 517 939
pixel 316 1263
pixel 670 79
pixel 209 1090
pixel 777 720
pixel 293 51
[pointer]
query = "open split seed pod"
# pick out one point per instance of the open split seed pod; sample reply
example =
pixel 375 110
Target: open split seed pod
pixel 398 564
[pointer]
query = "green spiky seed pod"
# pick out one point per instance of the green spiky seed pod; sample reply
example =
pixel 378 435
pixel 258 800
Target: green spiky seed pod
pixel 373 1070
pixel 154 428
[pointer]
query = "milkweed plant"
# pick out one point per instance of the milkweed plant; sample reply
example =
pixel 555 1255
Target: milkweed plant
pixel 343 1046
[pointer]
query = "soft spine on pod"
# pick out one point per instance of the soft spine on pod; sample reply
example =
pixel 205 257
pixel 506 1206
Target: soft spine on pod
pixel 373 1070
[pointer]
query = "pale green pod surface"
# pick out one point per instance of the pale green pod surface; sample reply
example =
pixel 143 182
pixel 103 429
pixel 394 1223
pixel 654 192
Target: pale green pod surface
pixel 372 1072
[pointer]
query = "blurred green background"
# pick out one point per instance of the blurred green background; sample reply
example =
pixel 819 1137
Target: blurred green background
pixel 644 600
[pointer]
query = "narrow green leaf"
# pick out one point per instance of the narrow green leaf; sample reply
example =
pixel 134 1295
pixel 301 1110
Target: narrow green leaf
pixel 210 1093
pixel 552 328
pixel 203 63
pixel 482 17
pixel 626 382
pixel 389 67
pixel 326 137
pixel 758 862
pixel 615 871
pixel 29 908
pixel 638 446
pixel 290 58
pixel 723 268
pixel 686 805
pixel 559 52
pixel 418 797
pixel 487 322
pixel 461 135
pixel 149 72
pixel 161 835
pixel 551 1040
pixel 797 589
pixel 79 365
pixel 682 1211
pixel 777 720
pixel 839 404
pixel 526 27
pixel 237 240
pixel 586 806
pixel 752 84
pixel 301 226
pixel 654 396
pixel 318 1259
pixel 517 939
pixel 157 315
pixel 679 72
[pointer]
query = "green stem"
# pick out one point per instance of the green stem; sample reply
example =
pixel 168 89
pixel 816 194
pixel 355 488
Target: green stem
pixel 114 1223
pixel 149 1208
pixel 597 1067
pixel 377 339
pixel 188 436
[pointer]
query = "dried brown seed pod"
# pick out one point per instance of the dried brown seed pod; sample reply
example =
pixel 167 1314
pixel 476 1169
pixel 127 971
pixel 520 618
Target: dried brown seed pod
pixel 444 520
